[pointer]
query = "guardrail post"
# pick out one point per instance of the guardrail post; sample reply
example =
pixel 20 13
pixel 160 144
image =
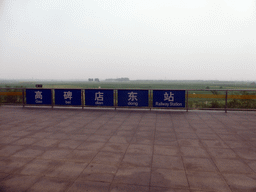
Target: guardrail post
pixel 226 101
pixel 23 97
pixel 115 98
pixel 52 97
pixel 187 102
pixel 82 92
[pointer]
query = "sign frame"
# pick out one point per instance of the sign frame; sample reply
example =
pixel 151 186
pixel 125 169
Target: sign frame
pixel 166 98
pixel 69 94
pixel 132 98
pixel 97 98
pixel 38 98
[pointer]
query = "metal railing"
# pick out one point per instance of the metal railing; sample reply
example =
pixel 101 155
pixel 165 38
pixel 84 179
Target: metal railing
pixel 196 99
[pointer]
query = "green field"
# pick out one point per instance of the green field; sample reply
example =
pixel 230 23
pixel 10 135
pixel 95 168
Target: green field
pixel 139 84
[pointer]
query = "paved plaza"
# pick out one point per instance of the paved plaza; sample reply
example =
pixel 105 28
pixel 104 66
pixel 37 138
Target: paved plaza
pixel 44 149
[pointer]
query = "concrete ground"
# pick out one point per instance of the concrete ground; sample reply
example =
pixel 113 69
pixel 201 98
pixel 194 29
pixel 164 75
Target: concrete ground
pixel 126 150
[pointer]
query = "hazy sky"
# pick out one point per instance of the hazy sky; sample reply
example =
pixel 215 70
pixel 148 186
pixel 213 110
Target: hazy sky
pixel 138 39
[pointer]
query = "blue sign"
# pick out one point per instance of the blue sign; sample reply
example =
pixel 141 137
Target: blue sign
pixel 39 96
pixel 169 98
pixel 133 98
pixel 67 96
pixel 99 97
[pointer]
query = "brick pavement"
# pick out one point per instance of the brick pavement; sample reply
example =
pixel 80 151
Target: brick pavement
pixel 126 150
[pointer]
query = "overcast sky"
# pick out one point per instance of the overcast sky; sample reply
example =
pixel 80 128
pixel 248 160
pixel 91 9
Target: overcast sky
pixel 138 39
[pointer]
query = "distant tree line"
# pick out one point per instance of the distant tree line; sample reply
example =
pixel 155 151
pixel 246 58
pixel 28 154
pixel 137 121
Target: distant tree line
pixel 96 79
pixel 123 79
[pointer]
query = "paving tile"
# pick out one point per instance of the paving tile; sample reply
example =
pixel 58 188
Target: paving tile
pixel 164 130
pixel 98 172
pixel 133 175
pixel 140 149
pixel 237 144
pixel 41 135
pixel 166 189
pixel 57 136
pixel 91 146
pixel 208 136
pixel 17 183
pixel 9 150
pixel 136 160
pixel 98 138
pixel 80 155
pixel 166 150
pixel 115 147
pixel 20 133
pixel 124 133
pixel 50 184
pixel 184 135
pixel 165 141
pixel 241 182
pixel 128 188
pixel 36 167
pixel 190 143
pixel 66 169
pixel 56 154
pixel 142 140
pixel 168 162
pixel 168 178
pixel 28 153
pixel 222 153
pixel 11 164
pixel 47 143
pixel 232 166
pixel 251 164
pixel 92 186
pixel 230 137
pixel 105 132
pixel 8 140
pixel 207 181
pixel 214 144
pixel 69 144
pixel 78 137
pixel 120 139
pixel 193 152
pixel 246 153
pixel 25 141
pixel 108 158
pixel 199 164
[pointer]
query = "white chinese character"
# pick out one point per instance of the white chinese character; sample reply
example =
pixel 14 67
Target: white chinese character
pixel 167 97
pixel 132 96
pixel 68 95
pixel 99 96
pixel 38 95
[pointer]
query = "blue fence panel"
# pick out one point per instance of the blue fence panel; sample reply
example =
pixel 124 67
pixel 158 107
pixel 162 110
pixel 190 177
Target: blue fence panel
pixel 39 96
pixel 169 98
pixel 68 97
pixel 99 97
pixel 133 98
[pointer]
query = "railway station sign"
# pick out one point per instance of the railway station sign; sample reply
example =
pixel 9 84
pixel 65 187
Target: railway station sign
pixel 169 98
pixel 39 96
pixel 99 97
pixel 133 98
pixel 68 97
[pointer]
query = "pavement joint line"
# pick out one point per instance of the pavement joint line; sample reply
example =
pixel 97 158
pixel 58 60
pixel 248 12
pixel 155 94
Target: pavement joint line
pixel 212 159
pixel 92 159
pixel 185 170
pixel 125 150
pixel 241 159
pixel 151 168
